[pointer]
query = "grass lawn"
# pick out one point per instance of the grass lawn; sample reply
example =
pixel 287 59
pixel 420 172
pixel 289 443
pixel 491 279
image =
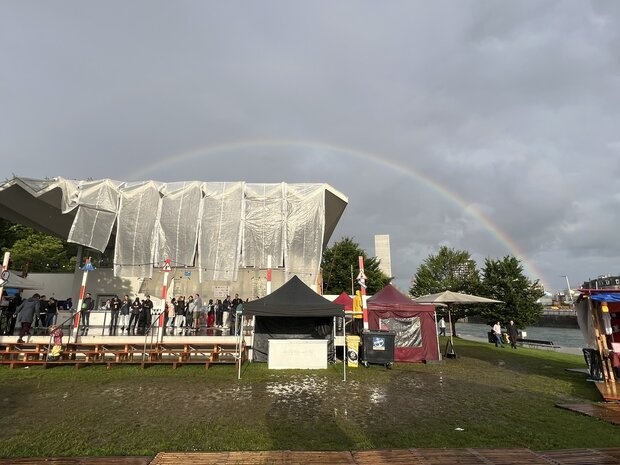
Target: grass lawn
pixel 488 397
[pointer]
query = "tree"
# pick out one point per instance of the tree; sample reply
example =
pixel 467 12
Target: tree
pixel 504 280
pixel 39 251
pixel 449 270
pixel 336 266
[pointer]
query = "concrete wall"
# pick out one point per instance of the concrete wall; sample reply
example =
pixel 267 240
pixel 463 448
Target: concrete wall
pixel 101 283
pixel 251 283
pixel 57 285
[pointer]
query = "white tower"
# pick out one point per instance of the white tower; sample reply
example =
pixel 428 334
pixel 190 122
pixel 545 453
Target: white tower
pixel 382 252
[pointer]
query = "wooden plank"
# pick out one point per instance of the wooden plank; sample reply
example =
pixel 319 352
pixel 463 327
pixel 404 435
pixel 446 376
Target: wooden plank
pixel 78 460
pixel 388 456
pixel 371 457
pixel 609 412
pixel 580 457
pixel 510 456
pixel 610 391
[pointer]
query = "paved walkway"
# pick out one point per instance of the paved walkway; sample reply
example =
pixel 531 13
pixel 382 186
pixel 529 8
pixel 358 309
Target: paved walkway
pixel 370 457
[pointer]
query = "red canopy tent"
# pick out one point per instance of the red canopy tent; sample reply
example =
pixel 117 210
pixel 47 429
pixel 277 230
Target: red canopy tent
pixel 414 324
pixel 346 300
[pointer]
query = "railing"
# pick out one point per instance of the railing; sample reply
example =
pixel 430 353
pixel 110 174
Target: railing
pixel 149 332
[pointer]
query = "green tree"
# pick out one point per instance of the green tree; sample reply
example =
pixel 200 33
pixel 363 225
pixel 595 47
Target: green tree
pixel 336 265
pixel 449 270
pixel 7 234
pixel 38 251
pixel 504 280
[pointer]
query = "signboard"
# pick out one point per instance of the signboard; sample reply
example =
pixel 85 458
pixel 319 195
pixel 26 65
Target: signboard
pixel 4 278
pixel 220 292
pixel 378 343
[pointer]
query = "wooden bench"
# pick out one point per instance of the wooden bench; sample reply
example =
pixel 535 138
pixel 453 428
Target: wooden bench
pixel 86 354
pixel 537 343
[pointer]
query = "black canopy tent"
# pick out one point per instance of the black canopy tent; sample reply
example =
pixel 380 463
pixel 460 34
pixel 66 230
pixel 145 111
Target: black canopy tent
pixel 294 311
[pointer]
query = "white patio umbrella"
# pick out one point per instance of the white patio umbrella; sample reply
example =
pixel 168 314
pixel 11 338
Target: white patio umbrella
pixel 448 298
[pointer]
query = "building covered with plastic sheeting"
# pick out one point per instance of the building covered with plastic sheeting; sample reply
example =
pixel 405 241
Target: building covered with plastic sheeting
pixel 219 233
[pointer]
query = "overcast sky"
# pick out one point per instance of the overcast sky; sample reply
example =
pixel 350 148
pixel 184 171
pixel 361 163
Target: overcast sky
pixel 486 126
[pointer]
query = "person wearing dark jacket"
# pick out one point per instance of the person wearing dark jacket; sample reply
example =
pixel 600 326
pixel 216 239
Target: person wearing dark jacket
pixel 13 304
pixel 25 314
pixel 125 311
pixel 87 306
pixel 115 307
pixel 136 309
pixel 512 333
pixel 52 311
pixel 144 321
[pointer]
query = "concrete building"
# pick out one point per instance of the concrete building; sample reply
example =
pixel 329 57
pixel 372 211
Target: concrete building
pixel 383 253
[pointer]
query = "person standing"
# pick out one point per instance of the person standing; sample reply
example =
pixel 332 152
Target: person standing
pixel 25 314
pixel 171 313
pixel 219 313
pixel 233 314
pixel 357 324
pixel 88 304
pixel 115 308
pixel 179 309
pixel 6 313
pixel 136 309
pixel 189 314
pixel 52 311
pixel 197 313
pixel 226 310
pixel 512 333
pixel 497 332
pixel 144 321
pixel 124 311
pixel 210 314
pixel 442 327
pixel 41 317
pixel 13 304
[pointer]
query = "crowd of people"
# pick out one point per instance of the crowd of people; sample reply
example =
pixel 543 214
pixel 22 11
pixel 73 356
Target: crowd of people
pixel 183 315
pixel 37 311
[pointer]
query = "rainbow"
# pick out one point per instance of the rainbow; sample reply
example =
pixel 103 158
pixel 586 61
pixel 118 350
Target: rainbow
pixel 425 180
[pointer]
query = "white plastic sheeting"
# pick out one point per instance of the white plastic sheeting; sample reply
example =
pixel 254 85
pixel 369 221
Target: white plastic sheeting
pixel 135 230
pixel 305 227
pixel 97 204
pixel 220 230
pixel 177 230
pixel 228 224
pixel 265 214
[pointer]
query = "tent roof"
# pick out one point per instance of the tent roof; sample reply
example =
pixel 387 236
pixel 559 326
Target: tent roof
pixel 293 299
pixel 449 297
pixel 17 282
pixel 389 294
pixel 344 299
pixel 391 298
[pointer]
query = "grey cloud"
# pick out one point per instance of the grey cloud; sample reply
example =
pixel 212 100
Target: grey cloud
pixel 513 107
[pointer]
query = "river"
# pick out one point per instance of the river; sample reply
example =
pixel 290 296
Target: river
pixel 569 340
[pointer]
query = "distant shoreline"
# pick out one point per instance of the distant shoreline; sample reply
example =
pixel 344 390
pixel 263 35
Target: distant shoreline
pixel 564 350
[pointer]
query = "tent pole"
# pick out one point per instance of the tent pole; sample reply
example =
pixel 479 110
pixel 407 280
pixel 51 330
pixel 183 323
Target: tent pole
pixel 344 347
pixel 437 335
pixel 251 351
pixel 240 338
pixel 451 331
